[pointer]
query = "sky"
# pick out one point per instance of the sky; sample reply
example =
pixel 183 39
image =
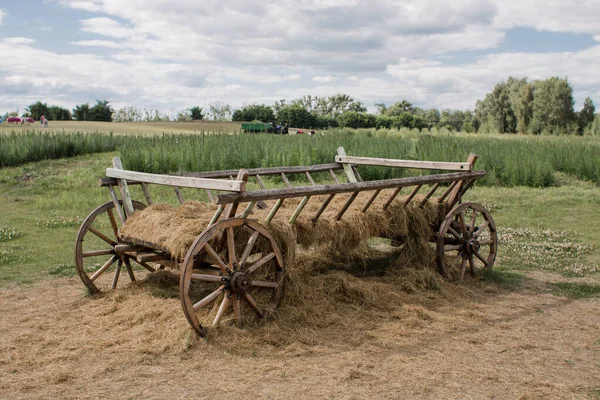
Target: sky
pixel 174 54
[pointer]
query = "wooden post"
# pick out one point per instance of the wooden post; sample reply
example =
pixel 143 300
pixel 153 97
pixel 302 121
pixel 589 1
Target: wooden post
pixel 146 193
pixel 178 193
pixel 454 195
pixel 230 209
pixel 115 200
pixel 347 167
pixel 125 195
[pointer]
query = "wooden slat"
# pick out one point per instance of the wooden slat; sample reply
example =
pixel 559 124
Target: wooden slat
pixel 115 201
pixel 334 176
pixel 447 192
pixel 392 197
pixel 347 167
pixel 150 257
pixel 299 210
pixel 388 162
pixel 412 194
pixel 273 211
pixel 358 177
pixel 179 195
pixel 429 194
pixel 285 180
pixel 323 207
pixel 310 179
pixel 248 209
pixel 216 215
pixel 172 180
pixel 147 194
pixel 346 206
pixel 210 196
pixel 371 200
pixel 301 191
pixel 260 182
pixel 454 195
pixel 125 195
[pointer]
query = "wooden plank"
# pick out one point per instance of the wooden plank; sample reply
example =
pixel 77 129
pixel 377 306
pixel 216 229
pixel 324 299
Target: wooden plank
pixel 299 210
pixel 181 181
pixel 429 194
pixel 412 194
pixel 260 182
pixel 248 209
pixel 358 177
pixel 147 194
pixel 273 211
pixel 216 215
pixel 178 193
pixel 125 195
pixel 346 206
pixel 310 179
pixel 150 257
pixel 230 209
pixel 347 167
pixel 447 192
pixel 388 162
pixel 115 200
pixel 323 207
pixel 301 191
pixel 371 200
pixel 454 195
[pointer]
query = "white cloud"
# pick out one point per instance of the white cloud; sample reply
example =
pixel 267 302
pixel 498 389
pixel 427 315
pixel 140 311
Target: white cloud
pixel 2 15
pixel 18 40
pixel 99 43
pixel 323 79
pixel 107 27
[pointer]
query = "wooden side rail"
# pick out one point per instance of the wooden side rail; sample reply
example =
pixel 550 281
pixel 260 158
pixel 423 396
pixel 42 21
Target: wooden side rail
pixel 387 162
pixel 178 181
pixel 301 191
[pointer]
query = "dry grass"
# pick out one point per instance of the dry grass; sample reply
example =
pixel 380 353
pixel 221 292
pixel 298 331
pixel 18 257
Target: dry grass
pixel 457 341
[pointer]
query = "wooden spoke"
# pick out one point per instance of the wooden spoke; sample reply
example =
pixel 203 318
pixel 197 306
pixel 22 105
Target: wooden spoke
pixel 463 226
pixel 472 264
pixel 237 311
pixel 263 284
pixel 454 233
pixel 129 269
pixel 463 268
pixel 95 253
pixel 260 263
pixel 231 249
pixel 117 274
pixel 101 235
pixel 250 300
pixel 483 260
pixel 208 299
pixel 206 278
pixel 213 254
pixel 113 222
pixel 480 229
pixel 452 247
pixel 249 247
pixel 143 264
pixel 103 268
pixel 473 218
pixel 222 308
pixel 486 242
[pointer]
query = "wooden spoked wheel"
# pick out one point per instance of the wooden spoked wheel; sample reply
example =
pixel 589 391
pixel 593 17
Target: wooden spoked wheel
pixel 98 263
pixel 467 239
pixel 233 272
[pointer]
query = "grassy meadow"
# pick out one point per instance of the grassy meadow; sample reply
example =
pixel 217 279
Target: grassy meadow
pixel 543 192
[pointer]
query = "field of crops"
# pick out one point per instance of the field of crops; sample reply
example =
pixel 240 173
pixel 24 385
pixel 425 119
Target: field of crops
pixel 509 160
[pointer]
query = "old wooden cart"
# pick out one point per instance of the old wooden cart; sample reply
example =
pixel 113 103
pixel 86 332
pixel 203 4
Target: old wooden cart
pixel 235 277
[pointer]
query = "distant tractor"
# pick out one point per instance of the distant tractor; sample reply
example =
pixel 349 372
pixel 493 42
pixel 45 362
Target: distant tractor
pixel 259 127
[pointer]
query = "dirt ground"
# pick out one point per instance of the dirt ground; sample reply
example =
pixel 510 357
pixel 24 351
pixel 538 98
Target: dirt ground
pixel 465 341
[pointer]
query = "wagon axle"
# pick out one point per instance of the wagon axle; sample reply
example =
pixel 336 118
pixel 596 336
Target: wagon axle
pixel 237 282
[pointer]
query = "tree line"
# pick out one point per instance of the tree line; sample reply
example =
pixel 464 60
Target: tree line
pixel 513 106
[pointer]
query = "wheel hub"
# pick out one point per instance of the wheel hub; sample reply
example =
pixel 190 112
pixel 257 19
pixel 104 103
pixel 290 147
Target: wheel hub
pixel 239 282
pixel 473 246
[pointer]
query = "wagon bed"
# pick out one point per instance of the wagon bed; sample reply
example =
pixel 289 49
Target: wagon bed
pixel 238 252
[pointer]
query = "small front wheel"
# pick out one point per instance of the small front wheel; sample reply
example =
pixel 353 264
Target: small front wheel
pixel 467 236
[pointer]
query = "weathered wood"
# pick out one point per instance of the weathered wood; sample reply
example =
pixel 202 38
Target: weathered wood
pixel 181 181
pixel 412 194
pixel 178 193
pixel 273 211
pixel 150 257
pixel 429 194
pixel 310 179
pixel 454 195
pixel 122 248
pixel 341 213
pixel 248 209
pixel 322 208
pixel 216 215
pixel 94 253
pixel 115 201
pixel 347 167
pixel 146 194
pixel 392 197
pixel 371 200
pixel 260 181
pixel 334 176
pixel 387 162
pixel 358 177
pixel 231 208
pixel 447 192
pixel 125 195
pixel 285 180
pixel 299 209
pixel 301 191
pixel 210 196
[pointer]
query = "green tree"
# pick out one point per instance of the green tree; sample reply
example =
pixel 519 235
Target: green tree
pixel 101 111
pixel 586 116
pixel 296 116
pixel 523 107
pixel 219 111
pixel 254 112
pixel 36 110
pixel 82 112
pixel 553 107
pixel 196 113
pixel 56 113
pixel 593 129
pixel 398 108
pixel 354 119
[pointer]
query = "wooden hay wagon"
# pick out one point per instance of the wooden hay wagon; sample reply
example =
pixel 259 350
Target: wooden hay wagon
pixel 234 264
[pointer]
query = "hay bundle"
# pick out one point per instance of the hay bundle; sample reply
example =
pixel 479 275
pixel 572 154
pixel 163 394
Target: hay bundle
pixel 175 228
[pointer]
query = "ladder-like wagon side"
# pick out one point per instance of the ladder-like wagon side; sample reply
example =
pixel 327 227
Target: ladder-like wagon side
pixel 466 230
